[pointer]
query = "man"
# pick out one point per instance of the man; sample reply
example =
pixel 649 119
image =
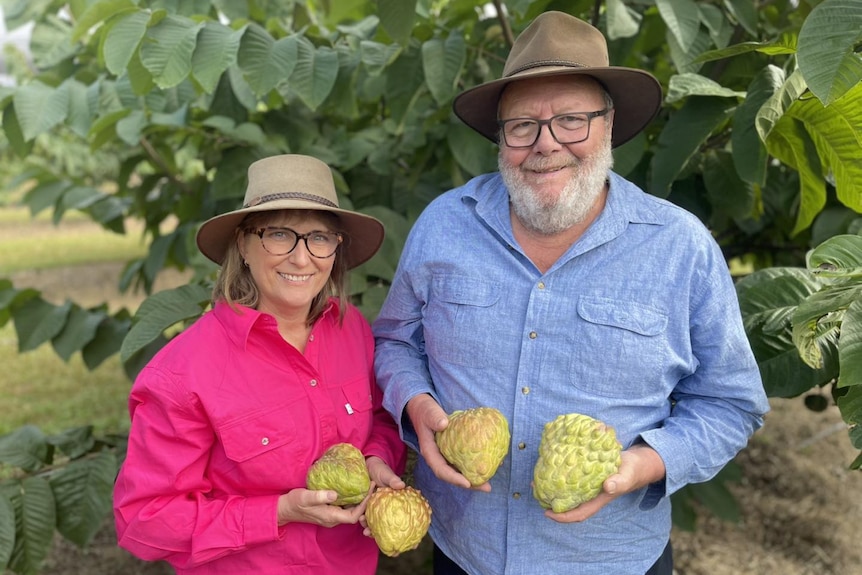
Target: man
pixel 552 287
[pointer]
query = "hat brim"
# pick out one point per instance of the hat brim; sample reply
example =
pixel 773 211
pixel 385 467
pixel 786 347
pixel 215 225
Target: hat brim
pixel 364 234
pixel 636 94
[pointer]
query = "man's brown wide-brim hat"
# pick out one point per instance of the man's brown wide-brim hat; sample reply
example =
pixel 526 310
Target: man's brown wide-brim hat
pixel 293 182
pixel 558 44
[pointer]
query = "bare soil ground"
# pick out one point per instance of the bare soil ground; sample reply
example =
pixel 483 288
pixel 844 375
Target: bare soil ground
pixel 800 504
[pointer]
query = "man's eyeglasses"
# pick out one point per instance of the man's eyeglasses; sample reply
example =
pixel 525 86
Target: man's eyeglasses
pixel 568 128
pixel 282 241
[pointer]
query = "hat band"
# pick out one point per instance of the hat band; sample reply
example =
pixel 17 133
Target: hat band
pixel 544 63
pixel 290 196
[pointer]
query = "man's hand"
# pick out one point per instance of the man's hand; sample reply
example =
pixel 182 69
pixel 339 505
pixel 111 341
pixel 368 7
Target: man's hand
pixel 428 418
pixel 640 466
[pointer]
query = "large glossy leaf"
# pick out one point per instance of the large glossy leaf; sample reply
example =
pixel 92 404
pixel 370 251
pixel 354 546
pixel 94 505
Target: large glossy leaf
pixel 836 131
pixel 107 341
pixel 827 58
pixel 682 19
pixel 123 36
pixel 397 18
pixel 745 13
pixel 83 491
pixel 442 61
pixel 774 108
pixel 79 330
pixel 789 142
pixel 850 346
pixel 315 73
pixel 37 322
pixel 216 50
pixel 40 107
pixel 681 137
pixel 682 86
pixel 168 48
pixel 36 517
pixel 96 13
pixel 727 192
pixel 50 44
pixel 817 321
pixel 161 311
pixel 7 530
pixel 264 61
pixel 749 152
pixel 26 447
pixel 621 21
pixel 837 257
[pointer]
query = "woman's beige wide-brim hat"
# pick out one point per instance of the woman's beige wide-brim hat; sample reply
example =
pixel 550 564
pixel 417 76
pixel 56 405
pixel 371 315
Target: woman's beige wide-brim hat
pixel 558 44
pixel 292 182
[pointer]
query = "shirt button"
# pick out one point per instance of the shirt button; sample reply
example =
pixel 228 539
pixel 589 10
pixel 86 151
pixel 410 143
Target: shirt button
pixel 522 445
pixel 313 383
pixel 525 390
pixel 311 337
pixel 264 441
pixel 516 495
pixel 541 285
pixel 533 335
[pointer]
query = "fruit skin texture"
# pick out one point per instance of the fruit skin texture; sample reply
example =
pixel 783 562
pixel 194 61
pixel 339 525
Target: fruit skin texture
pixel 576 454
pixel 342 469
pixel 475 442
pixel 398 519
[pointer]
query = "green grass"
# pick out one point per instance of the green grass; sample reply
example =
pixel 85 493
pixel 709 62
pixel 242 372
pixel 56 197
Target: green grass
pixel 22 247
pixel 39 389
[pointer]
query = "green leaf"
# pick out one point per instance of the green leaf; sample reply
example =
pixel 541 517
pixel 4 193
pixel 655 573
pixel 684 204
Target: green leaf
pixel 827 56
pixel 12 129
pixel 745 13
pixel 79 330
pixel 682 19
pixel 38 516
pixel 7 530
pixel 785 44
pixel 376 57
pixel 688 84
pixel 216 51
pixel 790 143
pixel 107 341
pixel 40 107
pixel 397 18
pixel 161 311
pixel 315 73
pixel 74 442
pixel 37 322
pixel 96 13
pixel 774 108
pixel 817 322
pixel 726 191
pixel 473 152
pixel 167 49
pixel 681 137
pixel 123 36
pixel 50 42
pixel 442 61
pixel 837 257
pixel 264 61
pixel 850 346
pixel 749 152
pixel 83 491
pixel 621 21
pixel 26 447
pixel 836 131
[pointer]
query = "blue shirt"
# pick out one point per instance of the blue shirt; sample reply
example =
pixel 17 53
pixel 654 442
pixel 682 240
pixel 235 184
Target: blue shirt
pixel 637 325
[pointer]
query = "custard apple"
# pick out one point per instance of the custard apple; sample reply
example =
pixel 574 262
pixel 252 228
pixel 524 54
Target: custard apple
pixel 475 442
pixel 342 469
pixel 576 454
pixel 398 519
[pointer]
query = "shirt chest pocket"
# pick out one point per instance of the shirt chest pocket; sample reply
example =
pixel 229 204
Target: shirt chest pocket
pixel 460 318
pixel 354 425
pixel 262 449
pixel 619 347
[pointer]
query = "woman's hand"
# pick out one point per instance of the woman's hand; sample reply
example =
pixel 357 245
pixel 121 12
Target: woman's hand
pixel 316 506
pixel 381 474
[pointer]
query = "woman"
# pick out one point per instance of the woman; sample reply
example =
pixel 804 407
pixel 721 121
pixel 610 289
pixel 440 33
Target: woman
pixel 228 417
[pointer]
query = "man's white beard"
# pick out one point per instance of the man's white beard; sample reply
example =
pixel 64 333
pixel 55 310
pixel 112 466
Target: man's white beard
pixel 551 215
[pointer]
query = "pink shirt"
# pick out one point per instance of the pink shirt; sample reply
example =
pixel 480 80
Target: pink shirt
pixel 227 417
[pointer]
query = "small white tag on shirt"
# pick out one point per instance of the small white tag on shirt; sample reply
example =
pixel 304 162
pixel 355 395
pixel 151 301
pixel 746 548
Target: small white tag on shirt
pixel 348 408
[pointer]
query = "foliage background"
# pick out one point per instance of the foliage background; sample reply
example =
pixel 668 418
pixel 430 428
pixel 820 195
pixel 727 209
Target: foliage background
pixel 171 100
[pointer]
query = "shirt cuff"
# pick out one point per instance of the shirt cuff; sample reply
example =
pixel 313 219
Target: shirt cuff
pixel 260 520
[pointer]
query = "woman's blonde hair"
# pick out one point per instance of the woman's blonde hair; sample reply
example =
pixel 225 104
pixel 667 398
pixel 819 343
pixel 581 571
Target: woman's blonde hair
pixel 235 285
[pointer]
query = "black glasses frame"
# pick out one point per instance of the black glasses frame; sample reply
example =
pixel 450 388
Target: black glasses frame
pixel 549 124
pixel 304 237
